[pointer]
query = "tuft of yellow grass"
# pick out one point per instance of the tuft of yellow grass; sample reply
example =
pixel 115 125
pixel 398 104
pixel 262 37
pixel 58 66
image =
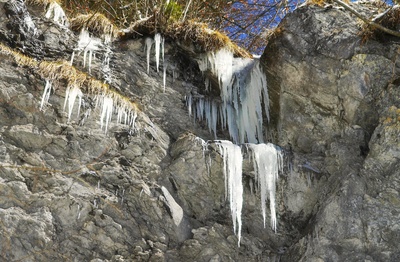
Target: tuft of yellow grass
pixel 19 58
pixel 96 23
pixel 199 34
pixel 323 2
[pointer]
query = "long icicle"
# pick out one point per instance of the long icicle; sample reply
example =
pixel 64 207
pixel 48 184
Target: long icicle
pixel 232 158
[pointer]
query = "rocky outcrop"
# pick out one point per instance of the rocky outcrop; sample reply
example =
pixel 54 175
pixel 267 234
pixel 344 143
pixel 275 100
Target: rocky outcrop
pixel 334 98
pixel 72 192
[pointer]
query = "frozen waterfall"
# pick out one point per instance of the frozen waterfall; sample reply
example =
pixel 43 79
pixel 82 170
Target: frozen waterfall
pixel 244 97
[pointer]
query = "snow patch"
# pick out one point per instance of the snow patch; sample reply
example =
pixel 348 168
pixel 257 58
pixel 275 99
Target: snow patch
pixel 175 209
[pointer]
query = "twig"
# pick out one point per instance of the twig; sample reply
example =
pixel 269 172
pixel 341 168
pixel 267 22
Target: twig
pixel 366 20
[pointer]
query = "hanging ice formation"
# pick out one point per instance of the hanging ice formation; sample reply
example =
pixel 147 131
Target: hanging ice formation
pixel 243 89
pixel 232 158
pixel 159 50
pixel 46 94
pixel 88 45
pixel 106 112
pixel 70 97
pixel 268 162
pixel 56 12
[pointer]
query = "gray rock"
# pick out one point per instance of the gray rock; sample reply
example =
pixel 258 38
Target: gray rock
pixel 72 192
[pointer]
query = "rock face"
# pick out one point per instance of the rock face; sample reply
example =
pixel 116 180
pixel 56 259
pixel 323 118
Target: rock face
pixel 72 192
pixel 334 101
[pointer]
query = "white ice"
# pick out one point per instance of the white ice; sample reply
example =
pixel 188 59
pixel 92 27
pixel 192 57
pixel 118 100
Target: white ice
pixel 88 45
pixel 148 44
pixel 268 162
pixel 46 94
pixel 28 22
pixel 232 159
pixel 56 12
pixel 70 97
pixel 157 41
pixel 243 89
pixel 106 111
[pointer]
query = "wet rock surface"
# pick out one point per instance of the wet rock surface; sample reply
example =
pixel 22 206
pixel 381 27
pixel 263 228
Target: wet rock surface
pixel 72 192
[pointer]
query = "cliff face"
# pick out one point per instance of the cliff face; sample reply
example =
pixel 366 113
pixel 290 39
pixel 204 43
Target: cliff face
pixel 73 192
pixel 335 103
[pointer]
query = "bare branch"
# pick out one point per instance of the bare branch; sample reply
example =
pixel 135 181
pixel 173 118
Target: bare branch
pixel 366 20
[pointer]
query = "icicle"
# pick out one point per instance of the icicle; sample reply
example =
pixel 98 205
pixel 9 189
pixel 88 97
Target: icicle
pixel 46 94
pixel 107 73
pixel 72 58
pixel 106 112
pixel 148 44
pixel 88 45
pixel 79 212
pixel 189 101
pixel 232 159
pixel 56 12
pixel 267 161
pixel 165 65
pixel 158 40
pixel 162 48
pixel 70 97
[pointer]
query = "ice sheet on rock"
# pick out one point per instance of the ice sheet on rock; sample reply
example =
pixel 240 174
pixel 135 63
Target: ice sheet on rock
pixel 175 209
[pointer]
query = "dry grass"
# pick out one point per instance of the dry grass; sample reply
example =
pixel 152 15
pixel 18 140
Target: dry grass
pixel 323 2
pixel 273 33
pixel 62 71
pixel 19 58
pixel 390 20
pixel 199 34
pixel 95 23
pixel 189 33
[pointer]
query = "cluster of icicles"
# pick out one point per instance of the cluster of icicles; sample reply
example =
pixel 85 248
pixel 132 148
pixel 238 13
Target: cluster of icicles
pixel 268 163
pixel 87 45
pixel 243 89
pixel 244 99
